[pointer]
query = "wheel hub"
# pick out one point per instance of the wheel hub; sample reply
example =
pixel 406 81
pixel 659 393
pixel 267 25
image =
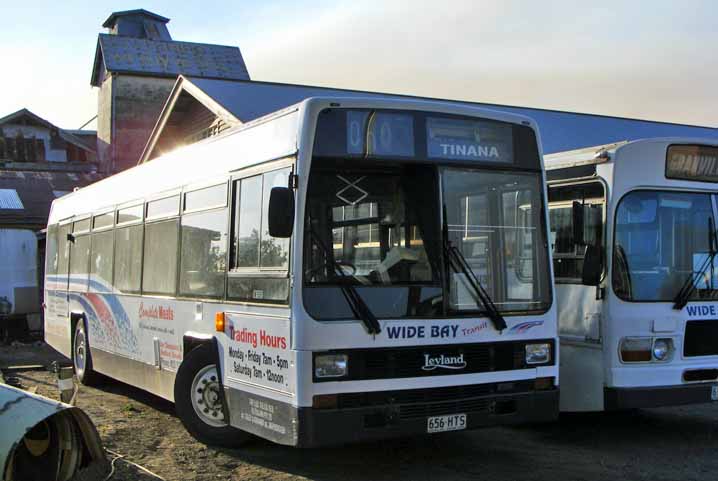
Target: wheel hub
pixel 206 399
pixel 80 352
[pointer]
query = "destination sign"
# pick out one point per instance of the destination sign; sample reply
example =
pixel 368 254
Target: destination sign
pixel 463 139
pixel 390 134
pixel 692 162
pixel 424 136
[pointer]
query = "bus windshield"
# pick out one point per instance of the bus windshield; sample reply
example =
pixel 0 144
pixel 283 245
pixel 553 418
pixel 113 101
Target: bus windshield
pixel 495 220
pixel 661 240
pixel 383 229
pixel 370 228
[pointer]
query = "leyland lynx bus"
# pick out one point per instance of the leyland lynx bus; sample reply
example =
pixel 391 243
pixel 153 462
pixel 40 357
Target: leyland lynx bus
pixel 340 270
pixel 633 232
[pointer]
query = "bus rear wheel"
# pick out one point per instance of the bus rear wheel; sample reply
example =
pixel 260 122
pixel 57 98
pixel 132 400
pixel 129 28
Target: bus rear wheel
pixel 198 400
pixel 81 359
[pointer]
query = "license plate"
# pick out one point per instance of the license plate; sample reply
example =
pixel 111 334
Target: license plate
pixel 714 392
pixel 452 422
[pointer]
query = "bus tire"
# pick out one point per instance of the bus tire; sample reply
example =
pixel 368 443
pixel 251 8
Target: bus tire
pixel 198 403
pixel 81 358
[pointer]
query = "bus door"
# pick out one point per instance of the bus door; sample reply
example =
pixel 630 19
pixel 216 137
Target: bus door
pixel 57 321
pixel 577 213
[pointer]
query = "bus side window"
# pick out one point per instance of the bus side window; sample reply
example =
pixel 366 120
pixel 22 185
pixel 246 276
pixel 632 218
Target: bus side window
pixel 51 257
pixel 259 262
pixel 80 256
pixel 101 252
pixel 63 256
pixel 101 261
pixel 204 242
pixel 568 254
pixel 159 272
pixel 129 235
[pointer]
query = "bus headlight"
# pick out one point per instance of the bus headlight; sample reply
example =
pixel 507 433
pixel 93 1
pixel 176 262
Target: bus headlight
pixel 538 353
pixel 635 349
pixel 331 365
pixel 662 349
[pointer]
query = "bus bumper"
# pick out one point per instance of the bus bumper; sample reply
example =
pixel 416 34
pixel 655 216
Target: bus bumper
pixel 322 427
pixel 652 397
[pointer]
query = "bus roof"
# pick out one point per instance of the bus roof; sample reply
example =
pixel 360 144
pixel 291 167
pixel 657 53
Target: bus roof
pixel 248 146
pixel 598 154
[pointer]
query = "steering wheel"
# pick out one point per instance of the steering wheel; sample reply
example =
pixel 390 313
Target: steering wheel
pixel 341 263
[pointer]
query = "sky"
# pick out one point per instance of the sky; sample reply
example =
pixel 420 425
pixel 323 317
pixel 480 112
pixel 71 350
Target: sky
pixel 652 60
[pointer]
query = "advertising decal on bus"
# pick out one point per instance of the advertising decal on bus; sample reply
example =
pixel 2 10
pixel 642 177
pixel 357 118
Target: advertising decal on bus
pixel 258 352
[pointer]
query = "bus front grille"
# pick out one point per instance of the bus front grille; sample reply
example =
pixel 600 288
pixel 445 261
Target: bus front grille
pixel 418 396
pixel 701 338
pixel 419 403
pixel 439 409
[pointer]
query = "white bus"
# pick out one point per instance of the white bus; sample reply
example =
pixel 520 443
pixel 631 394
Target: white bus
pixel 633 233
pixel 340 270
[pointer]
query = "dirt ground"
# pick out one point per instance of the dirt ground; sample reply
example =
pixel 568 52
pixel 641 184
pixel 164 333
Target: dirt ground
pixel 656 444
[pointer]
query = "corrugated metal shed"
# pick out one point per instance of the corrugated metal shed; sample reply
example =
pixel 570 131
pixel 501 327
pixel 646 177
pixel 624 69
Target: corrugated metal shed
pixel 141 56
pixel 10 200
pixel 560 131
pixel 33 194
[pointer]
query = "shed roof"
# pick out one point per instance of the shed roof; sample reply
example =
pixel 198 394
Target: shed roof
pixel 242 101
pixel 158 58
pixel 84 139
pixel 15 117
pixel 35 191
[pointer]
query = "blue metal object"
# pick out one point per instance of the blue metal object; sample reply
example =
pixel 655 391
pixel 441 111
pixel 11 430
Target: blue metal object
pixel 45 439
pixel 166 59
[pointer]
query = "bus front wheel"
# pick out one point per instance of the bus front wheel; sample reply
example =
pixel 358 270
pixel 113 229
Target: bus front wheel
pixel 198 400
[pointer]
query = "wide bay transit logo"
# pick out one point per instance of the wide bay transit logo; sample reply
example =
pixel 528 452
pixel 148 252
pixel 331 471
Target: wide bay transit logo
pixel 442 361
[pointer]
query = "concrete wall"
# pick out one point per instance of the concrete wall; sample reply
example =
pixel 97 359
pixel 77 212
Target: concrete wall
pixel 18 272
pixel 104 124
pixel 128 108
pixel 29 131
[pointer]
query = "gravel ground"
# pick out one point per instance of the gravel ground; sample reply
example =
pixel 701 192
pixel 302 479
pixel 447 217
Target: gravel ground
pixel 657 444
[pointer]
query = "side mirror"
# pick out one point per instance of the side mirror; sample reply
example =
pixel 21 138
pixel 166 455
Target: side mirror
pixel 577 221
pixel 281 212
pixel 71 238
pixel 592 266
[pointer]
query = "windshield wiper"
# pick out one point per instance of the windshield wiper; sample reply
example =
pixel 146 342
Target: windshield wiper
pixel 684 294
pixel 359 308
pixel 459 264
